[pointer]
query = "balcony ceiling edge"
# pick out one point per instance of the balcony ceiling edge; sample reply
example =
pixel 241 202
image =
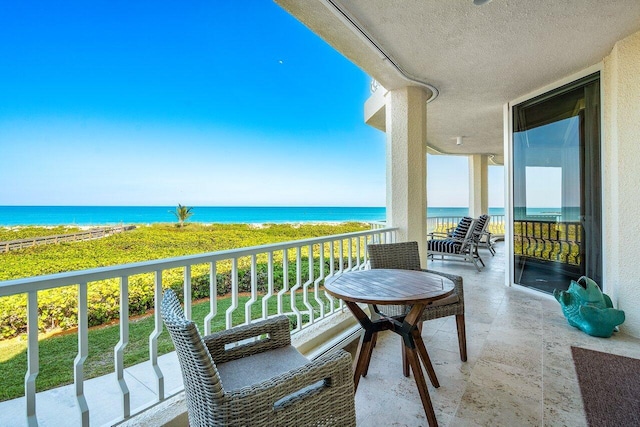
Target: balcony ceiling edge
pixel 478 58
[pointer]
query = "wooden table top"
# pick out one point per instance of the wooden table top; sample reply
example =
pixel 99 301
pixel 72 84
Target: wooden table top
pixel 388 286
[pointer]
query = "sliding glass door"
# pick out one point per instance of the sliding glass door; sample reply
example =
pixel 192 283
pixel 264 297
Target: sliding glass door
pixel 556 187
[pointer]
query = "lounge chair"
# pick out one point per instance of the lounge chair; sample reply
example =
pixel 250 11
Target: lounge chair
pixel 483 237
pixel 479 230
pixel 459 245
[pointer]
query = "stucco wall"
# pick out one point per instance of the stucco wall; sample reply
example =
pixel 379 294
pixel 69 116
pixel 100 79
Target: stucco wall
pixel 621 155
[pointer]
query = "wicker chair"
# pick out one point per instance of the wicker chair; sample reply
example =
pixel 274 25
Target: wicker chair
pixel 259 382
pixel 405 256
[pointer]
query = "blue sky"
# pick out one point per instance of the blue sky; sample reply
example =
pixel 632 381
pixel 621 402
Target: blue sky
pixel 199 103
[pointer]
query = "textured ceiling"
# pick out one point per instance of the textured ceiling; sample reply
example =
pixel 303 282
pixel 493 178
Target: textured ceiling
pixel 477 57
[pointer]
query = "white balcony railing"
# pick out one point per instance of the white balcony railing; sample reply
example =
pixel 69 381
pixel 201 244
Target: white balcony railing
pixel 325 257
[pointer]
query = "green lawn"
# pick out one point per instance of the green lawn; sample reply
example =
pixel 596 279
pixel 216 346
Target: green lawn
pixel 57 353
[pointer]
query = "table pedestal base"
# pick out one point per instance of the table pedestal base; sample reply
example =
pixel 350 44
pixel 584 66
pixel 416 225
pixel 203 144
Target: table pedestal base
pixel 414 348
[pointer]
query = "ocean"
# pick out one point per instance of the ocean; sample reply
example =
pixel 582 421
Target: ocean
pixel 110 215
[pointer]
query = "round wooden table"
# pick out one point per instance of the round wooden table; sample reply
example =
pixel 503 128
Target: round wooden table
pixel 417 289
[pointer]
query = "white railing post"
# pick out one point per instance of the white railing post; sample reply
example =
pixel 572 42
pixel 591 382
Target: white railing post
pixel 269 294
pixel 153 338
pixel 350 253
pixel 118 351
pixel 332 268
pixel 83 352
pixel 234 293
pixel 254 290
pixel 294 305
pixel 285 280
pixel 305 288
pixel 32 358
pixel 187 292
pixel 316 283
pixel 213 297
pixel 341 256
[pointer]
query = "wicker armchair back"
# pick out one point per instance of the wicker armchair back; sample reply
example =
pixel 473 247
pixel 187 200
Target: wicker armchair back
pixel 267 382
pixel 406 256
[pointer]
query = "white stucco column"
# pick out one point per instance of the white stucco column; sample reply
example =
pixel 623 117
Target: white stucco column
pixel 406 128
pixel 478 185
pixel 621 151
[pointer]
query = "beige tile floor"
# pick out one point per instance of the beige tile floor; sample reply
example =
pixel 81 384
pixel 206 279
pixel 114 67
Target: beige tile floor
pixel 519 370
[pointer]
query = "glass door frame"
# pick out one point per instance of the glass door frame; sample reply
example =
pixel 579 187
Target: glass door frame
pixel 508 164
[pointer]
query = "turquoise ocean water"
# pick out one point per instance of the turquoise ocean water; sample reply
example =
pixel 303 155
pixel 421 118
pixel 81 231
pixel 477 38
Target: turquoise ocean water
pixel 108 215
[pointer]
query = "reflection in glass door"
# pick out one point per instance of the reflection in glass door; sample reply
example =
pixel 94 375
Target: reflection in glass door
pixel 556 187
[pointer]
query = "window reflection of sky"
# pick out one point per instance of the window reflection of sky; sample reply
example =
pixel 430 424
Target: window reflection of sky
pixel 551 158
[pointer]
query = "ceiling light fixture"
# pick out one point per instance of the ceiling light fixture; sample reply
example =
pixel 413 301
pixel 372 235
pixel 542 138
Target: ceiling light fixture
pixel 459 140
pixel 481 2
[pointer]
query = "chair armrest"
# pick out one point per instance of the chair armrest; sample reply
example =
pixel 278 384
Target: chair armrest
pixel 276 331
pixel 460 239
pixel 281 392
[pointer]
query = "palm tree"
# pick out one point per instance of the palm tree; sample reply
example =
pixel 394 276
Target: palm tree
pixel 182 213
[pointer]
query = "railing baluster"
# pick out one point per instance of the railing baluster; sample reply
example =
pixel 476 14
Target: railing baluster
pixel 213 297
pixel 269 294
pixel 32 358
pixel 365 255
pixel 187 291
pixel 83 352
pixel 234 293
pixel 358 254
pixel 119 349
pixel 294 305
pixel 285 280
pixel 316 283
pixel 305 288
pixel 254 290
pixel 153 338
pixel 332 268
pixel 341 266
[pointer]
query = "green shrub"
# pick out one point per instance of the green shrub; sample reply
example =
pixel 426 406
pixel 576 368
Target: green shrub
pixel 57 308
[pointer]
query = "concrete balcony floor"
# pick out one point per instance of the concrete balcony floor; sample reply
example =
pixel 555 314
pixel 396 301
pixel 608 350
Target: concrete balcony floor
pixel 519 369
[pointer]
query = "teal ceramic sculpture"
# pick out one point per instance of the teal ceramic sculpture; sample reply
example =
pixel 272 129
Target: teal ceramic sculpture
pixel 588 309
